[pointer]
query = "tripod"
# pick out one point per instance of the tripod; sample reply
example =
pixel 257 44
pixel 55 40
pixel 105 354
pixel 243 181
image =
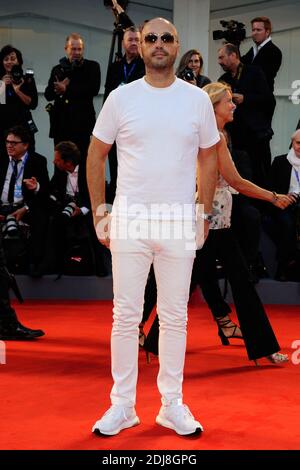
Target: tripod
pixel 116 36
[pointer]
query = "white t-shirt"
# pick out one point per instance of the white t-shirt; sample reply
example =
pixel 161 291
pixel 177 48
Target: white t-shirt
pixel 158 132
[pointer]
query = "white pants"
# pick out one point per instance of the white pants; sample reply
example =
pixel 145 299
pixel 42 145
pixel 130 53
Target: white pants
pixel 131 261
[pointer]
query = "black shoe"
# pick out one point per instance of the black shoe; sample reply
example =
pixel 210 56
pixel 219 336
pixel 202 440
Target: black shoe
pixel 34 333
pixel 17 331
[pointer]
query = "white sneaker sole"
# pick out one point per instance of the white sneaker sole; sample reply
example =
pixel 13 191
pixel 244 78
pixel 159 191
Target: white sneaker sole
pixel 168 424
pixel 128 424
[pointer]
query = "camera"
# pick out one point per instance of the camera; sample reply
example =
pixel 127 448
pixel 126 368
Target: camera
pixel 297 198
pixel 68 211
pixel 235 32
pixel 66 68
pixel 11 227
pixel 187 74
pixel 16 74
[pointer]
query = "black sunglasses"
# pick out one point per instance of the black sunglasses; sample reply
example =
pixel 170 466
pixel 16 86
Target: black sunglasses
pixel 166 38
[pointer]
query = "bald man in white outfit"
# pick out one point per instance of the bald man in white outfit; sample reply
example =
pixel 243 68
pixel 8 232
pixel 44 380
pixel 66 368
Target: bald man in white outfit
pixel 162 126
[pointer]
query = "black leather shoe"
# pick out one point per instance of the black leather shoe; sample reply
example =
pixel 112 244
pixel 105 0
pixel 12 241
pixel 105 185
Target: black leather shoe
pixel 34 333
pixel 19 332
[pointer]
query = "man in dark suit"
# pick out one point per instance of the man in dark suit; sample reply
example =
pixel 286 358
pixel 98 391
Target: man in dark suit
pixel 24 184
pixel 264 53
pixel 10 327
pixel 72 85
pixel 130 68
pixel 250 129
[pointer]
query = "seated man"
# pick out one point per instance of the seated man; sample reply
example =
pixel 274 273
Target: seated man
pixel 24 185
pixel 281 225
pixel 70 206
pixel 10 327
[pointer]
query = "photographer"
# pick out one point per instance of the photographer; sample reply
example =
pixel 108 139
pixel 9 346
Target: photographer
pixel 70 221
pixel 190 65
pixel 20 94
pixel 24 189
pixel 250 130
pixel 72 85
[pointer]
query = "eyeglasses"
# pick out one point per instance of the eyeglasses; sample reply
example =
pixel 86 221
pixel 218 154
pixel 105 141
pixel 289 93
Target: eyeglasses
pixel 13 142
pixel 166 38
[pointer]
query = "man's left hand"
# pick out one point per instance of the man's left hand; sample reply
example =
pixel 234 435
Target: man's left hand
pixel 30 183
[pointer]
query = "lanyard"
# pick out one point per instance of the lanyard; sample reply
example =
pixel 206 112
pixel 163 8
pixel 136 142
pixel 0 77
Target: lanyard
pixel 127 75
pixel 297 176
pixel 21 169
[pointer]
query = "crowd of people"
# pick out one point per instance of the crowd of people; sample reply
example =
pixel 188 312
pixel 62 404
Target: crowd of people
pixel 162 133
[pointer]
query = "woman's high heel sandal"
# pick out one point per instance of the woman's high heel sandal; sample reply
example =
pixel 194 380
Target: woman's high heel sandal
pixel 276 358
pixel 227 329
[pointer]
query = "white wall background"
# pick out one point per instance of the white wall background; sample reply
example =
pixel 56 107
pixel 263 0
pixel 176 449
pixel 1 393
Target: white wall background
pixel 39 30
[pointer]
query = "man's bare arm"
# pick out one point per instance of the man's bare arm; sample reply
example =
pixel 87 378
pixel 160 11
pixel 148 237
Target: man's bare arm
pixel 206 180
pixel 95 167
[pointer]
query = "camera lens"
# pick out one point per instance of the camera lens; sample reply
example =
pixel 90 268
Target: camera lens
pixel 11 228
pixel 188 75
pixel 16 74
pixel 69 209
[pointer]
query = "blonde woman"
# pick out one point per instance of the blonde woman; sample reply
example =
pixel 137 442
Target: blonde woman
pixel 255 328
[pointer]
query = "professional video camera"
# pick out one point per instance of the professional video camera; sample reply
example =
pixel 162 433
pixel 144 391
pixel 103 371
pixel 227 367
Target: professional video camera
pixel 65 68
pixel 235 32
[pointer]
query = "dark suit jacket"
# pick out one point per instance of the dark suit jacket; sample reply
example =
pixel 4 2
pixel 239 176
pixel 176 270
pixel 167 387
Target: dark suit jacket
pixel 251 118
pixel 58 186
pixel 268 59
pixel 74 111
pixel 36 165
pixel 115 74
pixel 281 170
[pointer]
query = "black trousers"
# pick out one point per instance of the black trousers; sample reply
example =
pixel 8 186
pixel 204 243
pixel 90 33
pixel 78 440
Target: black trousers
pixel 257 332
pixel 7 313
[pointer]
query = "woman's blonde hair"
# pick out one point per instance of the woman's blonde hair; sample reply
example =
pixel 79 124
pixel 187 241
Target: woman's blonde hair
pixel 216 91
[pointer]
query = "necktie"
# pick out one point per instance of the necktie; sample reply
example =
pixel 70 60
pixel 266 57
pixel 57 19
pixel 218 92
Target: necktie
pixel 12 182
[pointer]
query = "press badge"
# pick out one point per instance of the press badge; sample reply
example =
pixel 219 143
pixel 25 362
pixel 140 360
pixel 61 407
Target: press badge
pixel 18 191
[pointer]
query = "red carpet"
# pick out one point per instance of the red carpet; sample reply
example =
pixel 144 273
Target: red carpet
pixel 54 389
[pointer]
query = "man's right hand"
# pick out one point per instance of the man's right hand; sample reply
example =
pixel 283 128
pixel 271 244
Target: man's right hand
pixel 61 87
pixel 102 227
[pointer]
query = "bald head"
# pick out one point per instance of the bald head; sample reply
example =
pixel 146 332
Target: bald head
pixel 159 46
pixel 166 25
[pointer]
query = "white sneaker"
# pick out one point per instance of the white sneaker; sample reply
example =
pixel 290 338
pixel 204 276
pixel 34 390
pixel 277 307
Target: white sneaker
pixel 116 418
pixel 179 418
